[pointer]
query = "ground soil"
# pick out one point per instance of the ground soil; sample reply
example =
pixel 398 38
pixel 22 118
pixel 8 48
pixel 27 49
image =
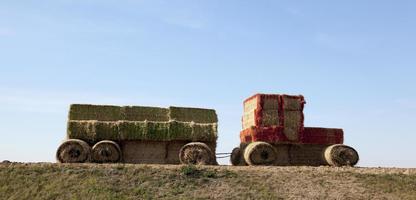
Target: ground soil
pixel 128 181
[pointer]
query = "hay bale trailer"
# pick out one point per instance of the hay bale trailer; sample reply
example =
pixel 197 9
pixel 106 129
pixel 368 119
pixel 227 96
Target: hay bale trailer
pixel 274 134
pixel 137 134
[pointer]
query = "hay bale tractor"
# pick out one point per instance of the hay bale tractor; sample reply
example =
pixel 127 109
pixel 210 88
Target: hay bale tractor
pixel 274 134
pixel 136 134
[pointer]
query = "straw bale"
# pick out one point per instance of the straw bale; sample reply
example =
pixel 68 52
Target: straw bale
pixel 92 131
pixel 235 156
pixel 173 149
pixel 249 120
pixel 259 153
pixel 270 118
pixel 293 122
pixel 106 152
pixel 146 152
pixel 294 104
pixel 204 132
pixel 142 113
pixel 197 115
pixel 250 105
pixel 270 104
pixel 94 112
pixel 341 155
pixel 196 153
pixel 180 130
pixel 73 151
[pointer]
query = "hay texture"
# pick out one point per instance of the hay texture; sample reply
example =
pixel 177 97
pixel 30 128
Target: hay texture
pixel 89 123
pixel 260 153
pixel 196 153
pixel 293 124
pixel 341 155
pixel 73 151
pixel 106 152
pixel 249 115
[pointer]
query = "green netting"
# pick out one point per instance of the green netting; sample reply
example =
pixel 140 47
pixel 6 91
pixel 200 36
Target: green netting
pixel 196 115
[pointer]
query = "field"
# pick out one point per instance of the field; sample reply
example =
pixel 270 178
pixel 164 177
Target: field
pixel 122 181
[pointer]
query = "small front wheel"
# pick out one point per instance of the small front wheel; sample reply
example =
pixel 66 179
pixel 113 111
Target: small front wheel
pixel 260 153
pixel 73 151
pixel 196 153
pixel 235 156
pixel 106 151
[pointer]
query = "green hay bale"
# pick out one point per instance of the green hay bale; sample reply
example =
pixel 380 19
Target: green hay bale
pixel 204 132
pixel 83 130
pixel 180 130
pixel 158 131
pixel 94 112
pixel 106 131
pixel 92 131
pixel 197 115
pixel 292 104
pixel 141 113
pixel 132 130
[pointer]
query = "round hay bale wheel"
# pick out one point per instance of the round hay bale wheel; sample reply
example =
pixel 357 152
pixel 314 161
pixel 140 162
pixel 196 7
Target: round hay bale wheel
pixel 260 153
pixel 235 156
pixel 73 151
pixel 196 153
pixel 341 155
pixel 106 151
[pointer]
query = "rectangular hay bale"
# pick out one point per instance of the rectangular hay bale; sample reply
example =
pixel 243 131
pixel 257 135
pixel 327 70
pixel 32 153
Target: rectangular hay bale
pixel 293 123
pixel 94 112
pixel 197 115
pixel 142 113
pixel 180 130
pixel 270 118
pixel 293 103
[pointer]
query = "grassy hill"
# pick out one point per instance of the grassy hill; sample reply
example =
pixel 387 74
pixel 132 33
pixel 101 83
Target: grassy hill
pixel 119 181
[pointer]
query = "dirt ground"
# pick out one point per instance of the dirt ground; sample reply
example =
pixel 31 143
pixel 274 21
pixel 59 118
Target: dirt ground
pixel 128 181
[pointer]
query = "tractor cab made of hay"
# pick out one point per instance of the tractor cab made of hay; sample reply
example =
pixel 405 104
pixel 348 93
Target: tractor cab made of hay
pixel 273 134
pixel 137 134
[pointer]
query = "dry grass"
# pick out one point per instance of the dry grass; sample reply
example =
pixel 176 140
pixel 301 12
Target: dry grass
pixel 120 181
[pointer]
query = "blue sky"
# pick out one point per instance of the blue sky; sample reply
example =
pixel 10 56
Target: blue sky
pixel 354 61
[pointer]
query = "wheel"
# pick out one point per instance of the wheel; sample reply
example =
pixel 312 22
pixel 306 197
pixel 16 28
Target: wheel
pixel 73 151
pixel 235 156
pixel 260 153
pixel 196 153
pixel 106 151
pixel 341 155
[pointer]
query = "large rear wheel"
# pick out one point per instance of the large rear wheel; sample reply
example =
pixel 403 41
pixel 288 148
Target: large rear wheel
pixel 106 151
pixel 73 151
pixel 260 153
pixel 341 155
pixel 196 153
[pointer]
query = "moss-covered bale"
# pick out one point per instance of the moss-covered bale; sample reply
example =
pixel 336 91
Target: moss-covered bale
pixel 180 130
pixel 142 113
pixel 92 131
pixel 197 115
pixel 93 123
pixel 204 132
pixel 94 112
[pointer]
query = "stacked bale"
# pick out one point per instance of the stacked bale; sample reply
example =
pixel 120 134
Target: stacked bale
pixel 293 116
pixel 270 110
pixel 93 123
pixel 249 115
